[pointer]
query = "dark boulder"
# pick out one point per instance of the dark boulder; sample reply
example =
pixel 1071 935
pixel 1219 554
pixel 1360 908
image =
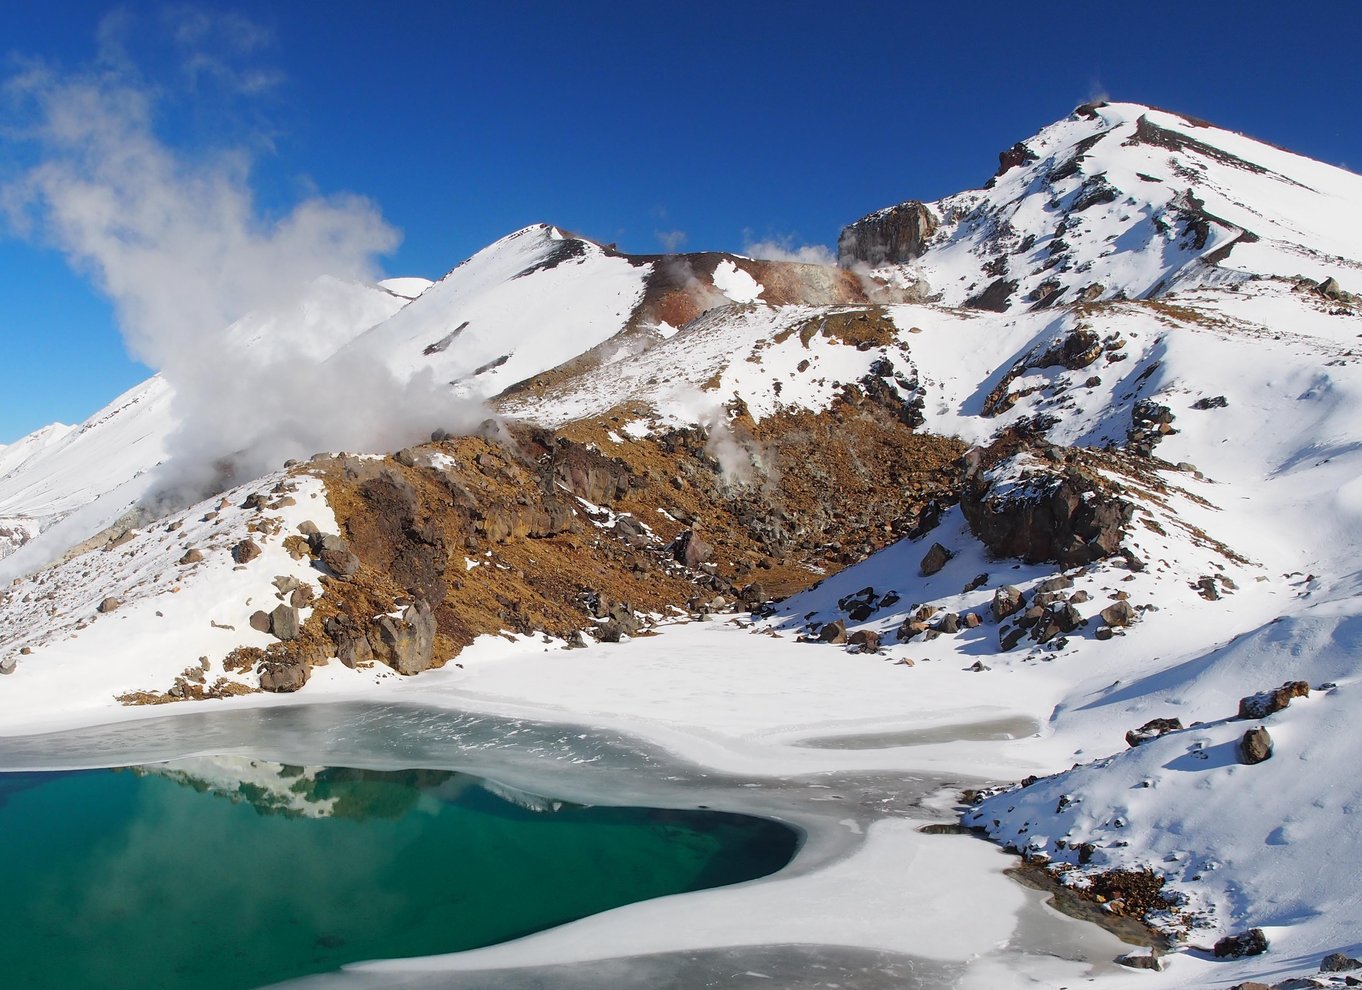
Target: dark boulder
pixel 1337 962
pixel 1058 619
pixel 1152 729
pixel 283 676
pixel 1250 943
pixel 1255 746
pixel 246 551
pixel 865 640
pixel 833 632
pixel 1118 614
pixel 406 644
pixel 1264 703
pixel 934 560
pixel 284 624
pixel 689 549
pixel 1006 601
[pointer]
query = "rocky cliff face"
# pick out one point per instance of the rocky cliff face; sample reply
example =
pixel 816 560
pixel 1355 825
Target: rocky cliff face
pixel 894 236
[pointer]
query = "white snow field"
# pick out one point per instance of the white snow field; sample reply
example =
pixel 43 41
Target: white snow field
pixel 1197 255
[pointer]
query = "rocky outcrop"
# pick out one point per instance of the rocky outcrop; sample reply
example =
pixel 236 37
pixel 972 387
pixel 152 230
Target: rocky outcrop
pixel 893 236
pixel 934 560
pixel 406 644
pixel 1041 509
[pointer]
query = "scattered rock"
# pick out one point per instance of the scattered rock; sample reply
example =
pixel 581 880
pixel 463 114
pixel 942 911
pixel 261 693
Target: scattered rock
pixel 191 556
pixel 1152 729
pixel 109 605
pixel 1141 961
pixel 407 645
pixel 1337 962
pixel 689 549
pixel 576 641
pixel 283 676
pixel 1119 613
pixel 865 640
pixel 1057 583
pixel 978 581
pixel 833 632
pixel 284 624
pixel 949 624
pixel 1206 588
pixel 260 621
pixel 971 620
pixel 8 665
pixel 1058 619
pixel 934 560
pixel 978 667
pixel 246 551
pixel 1264 703
pixel 1103 633
pixel 1008 638
pixel 1211 402
pixel 1254 747
pixel 1006 601
pixel 302 596
pixel 1330 288
pixel 1250 943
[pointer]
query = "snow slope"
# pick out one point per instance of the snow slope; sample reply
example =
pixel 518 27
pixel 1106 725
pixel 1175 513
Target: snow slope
pixel 1123 200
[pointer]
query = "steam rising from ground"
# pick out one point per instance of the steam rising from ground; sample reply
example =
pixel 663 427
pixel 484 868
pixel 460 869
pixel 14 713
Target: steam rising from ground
pixel 181 249
pixel 785 249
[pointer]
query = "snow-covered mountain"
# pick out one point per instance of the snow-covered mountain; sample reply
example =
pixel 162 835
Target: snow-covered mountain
pixel 1122 201
pixel 1082 447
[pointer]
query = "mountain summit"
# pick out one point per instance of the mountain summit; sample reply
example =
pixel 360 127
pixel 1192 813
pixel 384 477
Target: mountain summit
pixel 1122 201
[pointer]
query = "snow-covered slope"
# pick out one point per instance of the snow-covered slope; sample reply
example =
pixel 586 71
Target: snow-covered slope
pixel 520 306
pixel 1120 200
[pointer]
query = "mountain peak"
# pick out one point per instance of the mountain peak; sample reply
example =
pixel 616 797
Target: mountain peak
pixel 1122 200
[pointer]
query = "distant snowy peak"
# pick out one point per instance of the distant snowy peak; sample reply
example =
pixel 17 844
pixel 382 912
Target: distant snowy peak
pixel 543 298
pixel 1121 200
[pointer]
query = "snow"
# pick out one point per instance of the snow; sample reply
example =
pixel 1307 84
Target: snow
pixel 735 283
pixel 409 287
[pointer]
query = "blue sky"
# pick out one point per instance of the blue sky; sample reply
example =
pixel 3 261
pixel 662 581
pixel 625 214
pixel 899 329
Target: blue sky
pixel 707 126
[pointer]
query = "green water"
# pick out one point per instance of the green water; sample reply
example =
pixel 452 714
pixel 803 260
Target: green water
pixel 189 877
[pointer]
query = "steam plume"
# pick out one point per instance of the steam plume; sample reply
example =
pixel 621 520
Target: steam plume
pixel 181 249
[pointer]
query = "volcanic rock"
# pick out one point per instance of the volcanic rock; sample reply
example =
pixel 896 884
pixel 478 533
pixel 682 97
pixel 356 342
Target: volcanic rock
pixel 1255 746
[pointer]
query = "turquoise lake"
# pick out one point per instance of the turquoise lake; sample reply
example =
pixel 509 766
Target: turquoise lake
pixel 237 873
